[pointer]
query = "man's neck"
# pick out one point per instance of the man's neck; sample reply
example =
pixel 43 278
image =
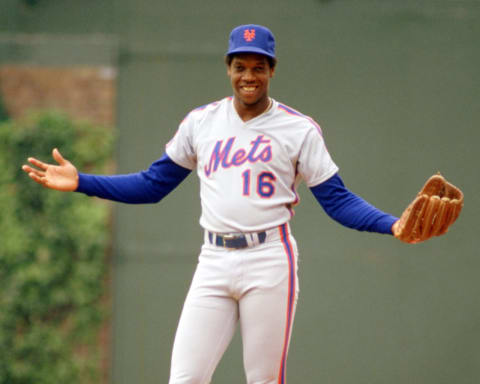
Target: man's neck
pixel 249 112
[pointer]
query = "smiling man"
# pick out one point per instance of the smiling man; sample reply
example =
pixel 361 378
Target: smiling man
pixel 250 152
pixel 250 65
pixel 250 76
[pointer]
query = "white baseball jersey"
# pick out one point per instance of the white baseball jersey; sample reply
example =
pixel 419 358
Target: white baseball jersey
pixel 249 170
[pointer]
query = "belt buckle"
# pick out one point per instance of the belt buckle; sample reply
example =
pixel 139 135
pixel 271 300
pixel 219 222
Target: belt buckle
pixel 228 237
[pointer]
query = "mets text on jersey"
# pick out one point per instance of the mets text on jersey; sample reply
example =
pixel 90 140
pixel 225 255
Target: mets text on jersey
pixel 221 155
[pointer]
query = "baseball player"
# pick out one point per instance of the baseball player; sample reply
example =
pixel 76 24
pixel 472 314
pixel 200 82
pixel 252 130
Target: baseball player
pixel 250 152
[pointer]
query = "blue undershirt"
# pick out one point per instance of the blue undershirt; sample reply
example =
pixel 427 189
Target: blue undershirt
pixel 145 187
pixel 349 209
pixel 163 176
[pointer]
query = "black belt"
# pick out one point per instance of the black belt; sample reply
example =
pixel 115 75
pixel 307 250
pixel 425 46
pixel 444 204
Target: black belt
pixel 235 241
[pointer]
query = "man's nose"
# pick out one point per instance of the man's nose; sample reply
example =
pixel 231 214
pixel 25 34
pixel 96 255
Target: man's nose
pixel 248 75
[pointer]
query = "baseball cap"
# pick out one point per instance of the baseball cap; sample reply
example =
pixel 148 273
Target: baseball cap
pixel 252 38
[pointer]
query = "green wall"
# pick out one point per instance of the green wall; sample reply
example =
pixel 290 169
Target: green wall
pixel 395 86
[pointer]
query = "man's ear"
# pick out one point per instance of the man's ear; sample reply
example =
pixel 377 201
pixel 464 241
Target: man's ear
pixel 272 72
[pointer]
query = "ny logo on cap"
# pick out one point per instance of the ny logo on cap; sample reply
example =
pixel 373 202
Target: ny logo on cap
pixel 249 35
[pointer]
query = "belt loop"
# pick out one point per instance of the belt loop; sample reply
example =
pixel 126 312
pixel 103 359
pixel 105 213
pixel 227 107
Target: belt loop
pixel 250 239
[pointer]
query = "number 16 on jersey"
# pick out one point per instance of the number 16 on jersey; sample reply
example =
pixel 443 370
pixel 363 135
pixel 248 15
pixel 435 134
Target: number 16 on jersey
pixel 264 187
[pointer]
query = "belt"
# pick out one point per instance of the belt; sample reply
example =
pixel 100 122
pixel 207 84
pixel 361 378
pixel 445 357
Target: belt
pixel 237 241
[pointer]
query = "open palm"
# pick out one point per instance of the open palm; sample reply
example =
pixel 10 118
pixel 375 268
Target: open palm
pixel 62 177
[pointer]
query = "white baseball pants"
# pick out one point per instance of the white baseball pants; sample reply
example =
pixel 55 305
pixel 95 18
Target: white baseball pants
pixel 256 287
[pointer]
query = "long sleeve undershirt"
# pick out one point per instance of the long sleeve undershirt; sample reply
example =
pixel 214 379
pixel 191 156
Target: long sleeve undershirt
pixel 349 209
pixel 145 187
pixel 163 176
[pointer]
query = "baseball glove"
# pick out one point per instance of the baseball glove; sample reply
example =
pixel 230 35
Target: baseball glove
pixel 433 211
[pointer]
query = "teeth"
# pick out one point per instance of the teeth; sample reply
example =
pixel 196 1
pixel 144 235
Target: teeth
pixel 249 89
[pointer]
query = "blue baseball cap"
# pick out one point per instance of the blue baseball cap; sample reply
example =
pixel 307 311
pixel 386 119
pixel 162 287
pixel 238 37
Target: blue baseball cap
pixel 252 38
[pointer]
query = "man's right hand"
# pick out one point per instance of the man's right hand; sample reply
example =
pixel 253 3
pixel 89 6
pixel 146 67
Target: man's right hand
pixel 62 177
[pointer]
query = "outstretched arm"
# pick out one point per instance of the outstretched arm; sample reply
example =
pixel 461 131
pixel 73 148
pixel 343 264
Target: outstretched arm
pixel 149 186
pixel 62 177
pixel 435 208
pixel 351 210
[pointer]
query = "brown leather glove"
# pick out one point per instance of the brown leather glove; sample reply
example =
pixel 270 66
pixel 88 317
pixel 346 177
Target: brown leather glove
pixel 433 211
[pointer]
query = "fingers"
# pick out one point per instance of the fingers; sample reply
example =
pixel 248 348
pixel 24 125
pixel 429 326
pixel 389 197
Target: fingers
pixel 33 171
pixel 38 176
pixel 38 163
pixel 43 167
pixel 58 157
pixel 35 175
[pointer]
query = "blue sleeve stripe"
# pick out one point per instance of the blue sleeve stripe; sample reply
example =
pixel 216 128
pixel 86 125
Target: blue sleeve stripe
pixel 349 209
pixel 292 111
pixel 144 187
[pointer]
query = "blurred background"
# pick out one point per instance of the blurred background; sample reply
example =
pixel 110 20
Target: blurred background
pixel 395 86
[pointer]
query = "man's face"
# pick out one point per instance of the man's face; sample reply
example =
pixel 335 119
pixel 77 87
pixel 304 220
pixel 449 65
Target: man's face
pixel 250 76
